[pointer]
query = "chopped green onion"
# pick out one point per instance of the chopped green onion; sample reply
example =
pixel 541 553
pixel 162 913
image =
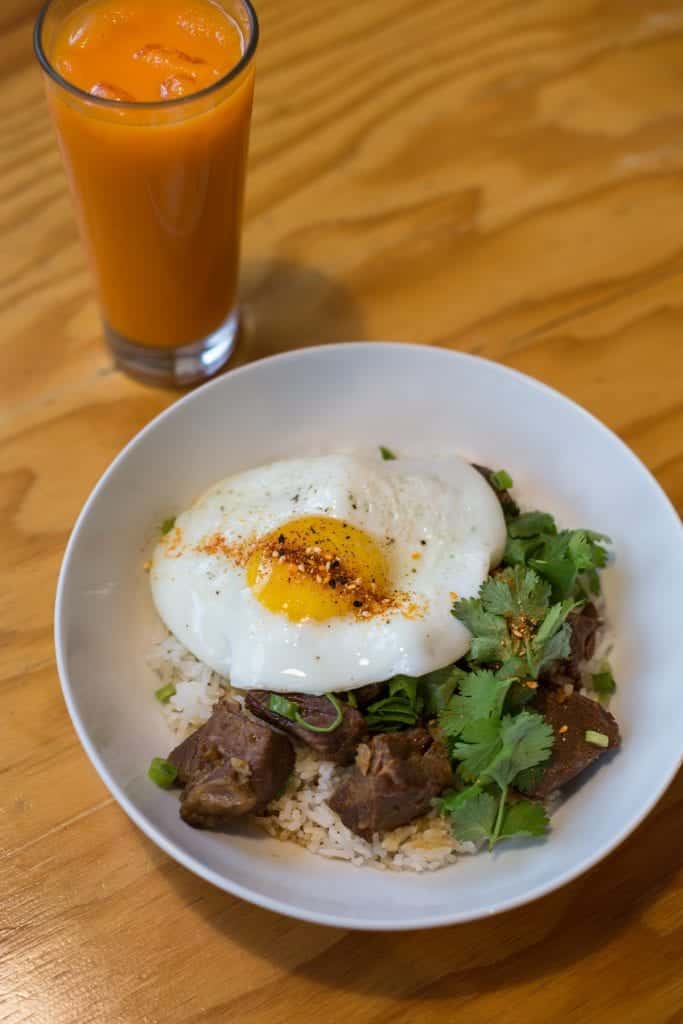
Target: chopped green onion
pixel 501 480
pixel 162 772
pixel 351 699
pixel 603 683
pixel 598 739
pixel 281 706
pixel 387 453
pixel 289 709
pixel 324 728
pixel 164 693
pixel 167 525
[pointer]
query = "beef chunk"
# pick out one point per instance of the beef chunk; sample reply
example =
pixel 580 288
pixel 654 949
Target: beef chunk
pixel 585 623
pixel 338 745
pixel 230 767
pixel 508 503
pixel 570 717
pixel 395 778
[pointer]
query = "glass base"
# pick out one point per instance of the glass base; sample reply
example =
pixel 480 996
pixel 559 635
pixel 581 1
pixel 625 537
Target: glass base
pixel 175 367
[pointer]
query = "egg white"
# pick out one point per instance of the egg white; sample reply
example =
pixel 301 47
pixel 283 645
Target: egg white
pixel 205 601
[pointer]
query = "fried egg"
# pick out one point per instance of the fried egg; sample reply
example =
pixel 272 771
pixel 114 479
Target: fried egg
pixel 326 573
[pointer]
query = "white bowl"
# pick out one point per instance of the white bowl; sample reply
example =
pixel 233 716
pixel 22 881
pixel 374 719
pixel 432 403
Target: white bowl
pixel 413 399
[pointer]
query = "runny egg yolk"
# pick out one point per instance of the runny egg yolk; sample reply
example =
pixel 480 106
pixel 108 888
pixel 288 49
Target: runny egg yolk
pixel 316 567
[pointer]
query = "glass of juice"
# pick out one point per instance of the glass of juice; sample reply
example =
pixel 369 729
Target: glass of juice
pixel 151 100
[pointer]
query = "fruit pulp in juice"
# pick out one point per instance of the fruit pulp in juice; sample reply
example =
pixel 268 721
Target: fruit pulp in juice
pixel 158 185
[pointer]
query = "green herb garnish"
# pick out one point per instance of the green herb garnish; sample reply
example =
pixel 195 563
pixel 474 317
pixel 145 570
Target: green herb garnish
pixel 597 739
pixel 604 684
pixel 164 693
pixel 351 699
pixel 569 559
pixel 514 625
pixel 438 687
pixel 501 480
pixel 491 750
pixel 162 772
pixel 289 709
pixel 282 706
pixel 325 728
pixel 475 812
pixel 386 453
pixel 167 525
pixel 400 708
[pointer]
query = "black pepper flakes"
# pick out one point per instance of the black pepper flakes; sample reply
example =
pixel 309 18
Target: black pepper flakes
pixel 357 604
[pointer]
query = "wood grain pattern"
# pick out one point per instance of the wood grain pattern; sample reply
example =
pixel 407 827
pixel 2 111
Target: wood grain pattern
pixel 502 177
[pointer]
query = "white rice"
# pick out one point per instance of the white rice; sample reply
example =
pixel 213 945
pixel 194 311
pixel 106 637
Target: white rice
pixel 301 815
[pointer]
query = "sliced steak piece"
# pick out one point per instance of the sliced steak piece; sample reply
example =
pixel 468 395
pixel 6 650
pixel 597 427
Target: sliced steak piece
pixel 230 767
pixel 338 745
pixel 508 503
pixel 395 778
pixel 571 717
pixel 585 623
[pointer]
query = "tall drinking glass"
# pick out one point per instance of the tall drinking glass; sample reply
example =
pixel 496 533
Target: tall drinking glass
pixel 158 189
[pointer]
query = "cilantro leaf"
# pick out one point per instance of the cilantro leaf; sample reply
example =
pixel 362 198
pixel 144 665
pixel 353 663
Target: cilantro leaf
pixel 560 573
pixel 525 741
pixel 167 525
pixel 473 814
pixel 519 550
pixel 529 524
pixel 561 558
pixel 516 591
pixel 386 453
pixel 478 745
pixel 528 779
pixel 438 687
pixel 552 640
pixel 481 623
pixel 523 818
pixel 481 696
pixel 513 623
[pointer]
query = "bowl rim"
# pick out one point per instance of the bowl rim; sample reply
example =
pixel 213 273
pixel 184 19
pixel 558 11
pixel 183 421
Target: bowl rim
pixel 195 865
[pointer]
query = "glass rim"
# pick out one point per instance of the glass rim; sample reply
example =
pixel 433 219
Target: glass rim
pixel 176 101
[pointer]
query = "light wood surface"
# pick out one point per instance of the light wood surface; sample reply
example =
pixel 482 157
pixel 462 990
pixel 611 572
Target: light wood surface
pixel 502 177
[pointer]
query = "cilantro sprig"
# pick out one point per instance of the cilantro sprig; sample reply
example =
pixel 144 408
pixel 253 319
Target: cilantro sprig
pixel 496 744
pixel 492 751
pixel 569 560
pixel 514 625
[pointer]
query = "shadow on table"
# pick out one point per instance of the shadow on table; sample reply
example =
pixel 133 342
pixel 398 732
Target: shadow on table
pixel 288 305
pixel 472 959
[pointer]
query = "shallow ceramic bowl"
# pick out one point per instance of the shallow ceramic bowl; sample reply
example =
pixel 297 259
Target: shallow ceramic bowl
pixel 414 399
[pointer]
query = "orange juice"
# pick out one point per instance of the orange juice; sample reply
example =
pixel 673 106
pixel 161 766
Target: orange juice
pixel 152 103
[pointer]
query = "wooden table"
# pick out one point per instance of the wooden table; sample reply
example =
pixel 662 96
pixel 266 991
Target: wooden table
pixel 502 177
